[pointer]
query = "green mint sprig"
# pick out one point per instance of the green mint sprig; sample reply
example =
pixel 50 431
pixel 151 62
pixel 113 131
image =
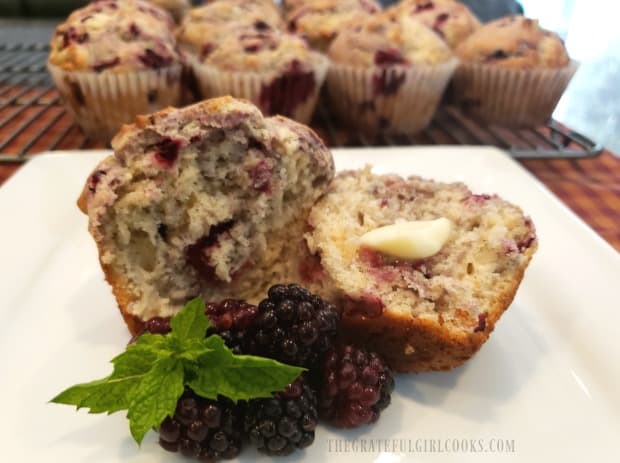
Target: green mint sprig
pixel 150 376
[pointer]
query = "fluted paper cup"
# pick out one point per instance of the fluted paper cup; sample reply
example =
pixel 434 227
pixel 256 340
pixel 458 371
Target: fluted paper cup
pixel 290 94
pixel 507 96
pixel 391 99
pixel 101 102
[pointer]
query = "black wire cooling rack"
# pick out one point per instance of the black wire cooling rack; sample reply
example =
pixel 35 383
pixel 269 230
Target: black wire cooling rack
pixel 32 120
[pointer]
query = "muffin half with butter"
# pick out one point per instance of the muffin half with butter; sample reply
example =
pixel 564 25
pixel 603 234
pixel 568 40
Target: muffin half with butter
pixel 421 270
pixel 388 74
pixel 113 60
pixel 512 72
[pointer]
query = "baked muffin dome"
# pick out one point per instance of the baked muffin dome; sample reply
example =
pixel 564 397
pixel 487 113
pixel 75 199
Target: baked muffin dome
pixel 385 40
pixel 260 49
pixel 514 42
pixel 204 27
pixel 115 36
pixel 320 21
pixel 449 19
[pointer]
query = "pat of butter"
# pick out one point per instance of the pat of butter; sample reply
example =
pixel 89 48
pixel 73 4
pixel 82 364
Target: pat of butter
pixel 409 240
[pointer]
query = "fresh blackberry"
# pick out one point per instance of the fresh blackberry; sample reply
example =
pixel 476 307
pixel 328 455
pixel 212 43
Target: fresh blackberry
pixel 356 387
pixel 230 319
pixel 206 429
pixel 285 422
pixel 293 326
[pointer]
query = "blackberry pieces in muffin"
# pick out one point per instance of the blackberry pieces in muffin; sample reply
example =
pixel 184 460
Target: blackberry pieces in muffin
pixel 449 19
pixel 204 27
pixel 513 72
pixel 388 73
pixel 113 60
pixel 204 200
pixel 320 21
pixel 430 313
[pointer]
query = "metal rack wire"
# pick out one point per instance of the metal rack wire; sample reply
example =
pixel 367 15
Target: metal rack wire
pixel 32 120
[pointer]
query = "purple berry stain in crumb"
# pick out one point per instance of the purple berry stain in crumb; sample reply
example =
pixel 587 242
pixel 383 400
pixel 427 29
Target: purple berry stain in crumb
pixel 206 50
pixel 167 151
pixel 103 65
pixel 134 31
pixel 482 323
pixel 478 200
pixel 154 60
pixel 94 180
pixel 289 90
pixel 366 305
pixel 369 6
pixel 71 36
pixel 198 253
pixel 439 22
pixel 311 269
pixel 497 55
pixel 527 242
pixel 260 174
pixel 261 26
pixel 389 56
pixel 387 81
pixel 387 84
pixel 424 7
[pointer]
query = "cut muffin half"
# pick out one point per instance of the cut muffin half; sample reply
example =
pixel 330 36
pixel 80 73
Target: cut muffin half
pixel 428 314
pixel 204 200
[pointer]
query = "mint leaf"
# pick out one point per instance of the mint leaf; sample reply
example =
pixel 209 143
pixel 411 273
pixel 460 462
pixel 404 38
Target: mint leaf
pixel 101 396
pixel 156 397
pixel 238 377
pixel 192 322
pixel 150 376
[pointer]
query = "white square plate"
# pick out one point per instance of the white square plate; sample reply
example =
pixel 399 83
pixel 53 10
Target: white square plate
pixel 543 388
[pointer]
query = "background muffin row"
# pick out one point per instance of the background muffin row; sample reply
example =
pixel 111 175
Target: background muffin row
pixel 384 70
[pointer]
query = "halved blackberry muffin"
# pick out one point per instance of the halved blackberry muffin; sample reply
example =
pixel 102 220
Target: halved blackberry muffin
pixel 425 314
pixel 204 200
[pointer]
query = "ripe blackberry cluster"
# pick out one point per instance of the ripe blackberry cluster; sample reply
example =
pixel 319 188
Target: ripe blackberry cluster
pixel 231 319
pixel 296 327
pixel 202 428
pixel 285 422
pixel 293 326
pixel 356 386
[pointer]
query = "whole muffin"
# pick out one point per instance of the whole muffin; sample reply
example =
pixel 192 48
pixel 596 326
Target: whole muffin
pixel 176 8
pixel 112 60
pixel 513 72
pixel 204 27
pixel 514 42
pixel 276 71
pixel 320 21
pixel 449 19
pixel 388 73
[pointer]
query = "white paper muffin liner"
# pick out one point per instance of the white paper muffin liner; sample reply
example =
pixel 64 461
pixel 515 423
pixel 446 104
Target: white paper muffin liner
pixel 510 97
pixel 285 94
pixel 391 99
pixel 101 102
